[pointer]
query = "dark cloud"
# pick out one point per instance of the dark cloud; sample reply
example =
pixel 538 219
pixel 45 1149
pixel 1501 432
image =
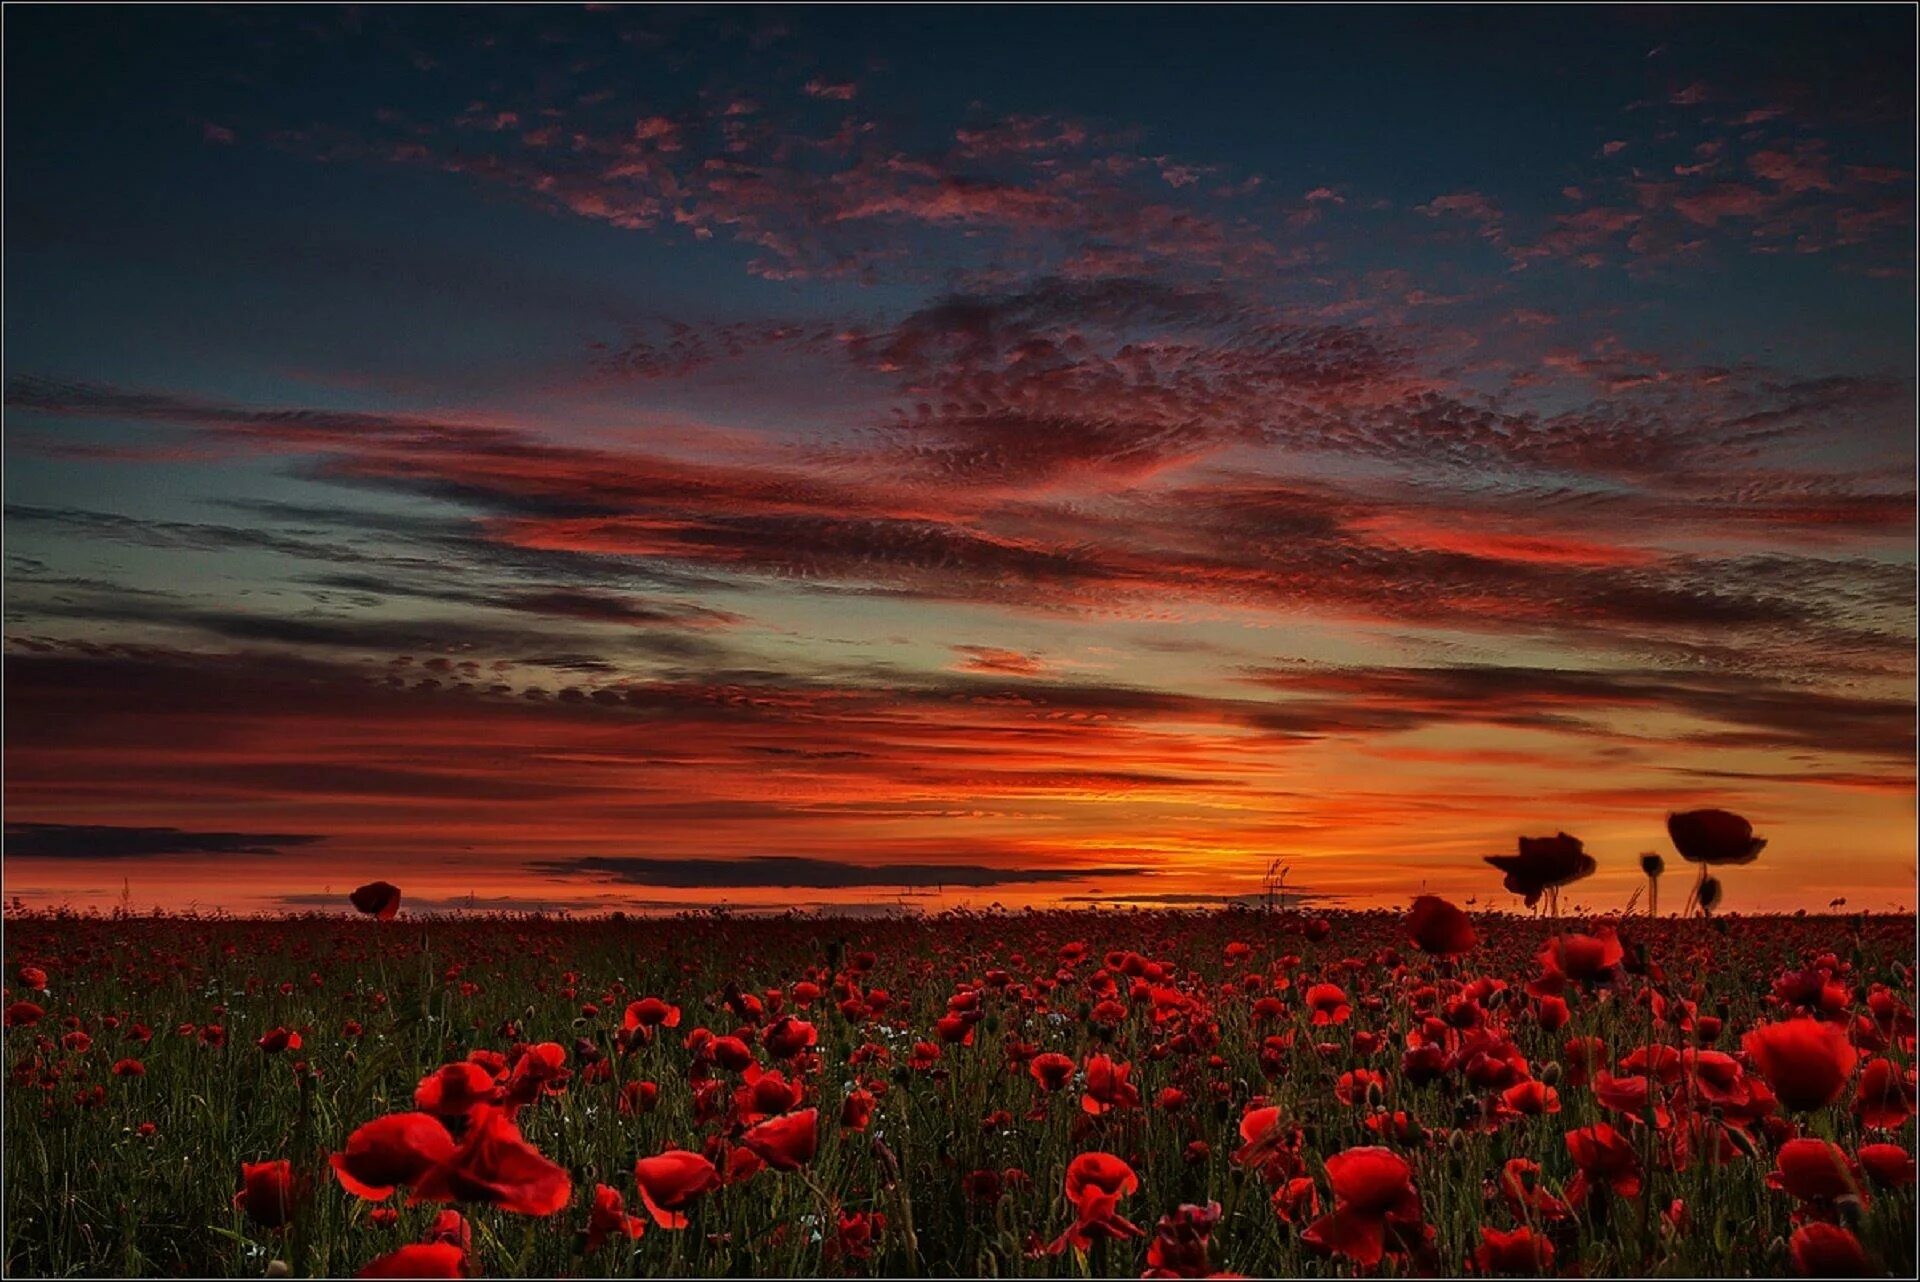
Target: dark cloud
pixel 107 841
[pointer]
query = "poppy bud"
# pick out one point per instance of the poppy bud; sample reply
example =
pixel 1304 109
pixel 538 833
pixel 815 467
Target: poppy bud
pixel 350 1059
pixel 1652 864
pixel 1550 1075
pixel 1709 895
pixel 1851 1210
pixel 279 1269
pixel 1457 1141
pixel 1375 1096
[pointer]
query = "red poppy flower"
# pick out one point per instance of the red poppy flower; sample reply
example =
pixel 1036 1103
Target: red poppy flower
pixel 33 977
pixel 650 1012
pixel 129 1068
pixel 1095 1184
pixel 671 1182
pixel 1805 1061
pixel 788 1037
pixel 495 1166
pixel 856 1233
pixel 1328 1004
pixel 268 1192
pixel 1521 1251
pixel 1531 1098
pixel 1889 1165
pixel 22 1014
pixel 1885 1098
pixel 1583 958
pixel 420 1260
pixel 857 1110
pixel 276 1040
pixel 1815 1171
pixel 389 1152
pixel 379 899
pixel 1604 1156
pixel 1052 1070
pixel 1439 927
pixel 1107 1085
pixel 1543 864
pixel 786 1143
pixel 456 1090
pixel 1714 837
pixel 1822 1250
pixel 1180 1243
pixel 1371 1187
pixel 608 1216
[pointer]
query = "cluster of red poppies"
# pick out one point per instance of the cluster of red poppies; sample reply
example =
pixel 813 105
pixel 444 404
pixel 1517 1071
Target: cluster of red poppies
pixel 1396 1083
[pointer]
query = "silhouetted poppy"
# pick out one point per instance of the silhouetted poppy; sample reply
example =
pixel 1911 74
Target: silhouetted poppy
pixel 1543 864
pixel 1714 837
pixel 1805 1061
pixel 379 899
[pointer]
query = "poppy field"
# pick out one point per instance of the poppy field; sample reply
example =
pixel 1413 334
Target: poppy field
pixel 1044 1093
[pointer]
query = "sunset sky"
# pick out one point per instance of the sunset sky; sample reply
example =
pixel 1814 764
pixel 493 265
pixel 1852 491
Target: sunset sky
pixel 625 457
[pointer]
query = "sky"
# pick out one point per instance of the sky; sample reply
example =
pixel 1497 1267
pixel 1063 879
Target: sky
pixel 638 458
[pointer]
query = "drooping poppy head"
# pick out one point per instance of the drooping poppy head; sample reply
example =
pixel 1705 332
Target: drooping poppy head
pixel 379 899
pixel 1805 1061
pixel 389 1152
pixel 1439 927
pixel 671 1182
pixel 1543 864
pixel 1714 837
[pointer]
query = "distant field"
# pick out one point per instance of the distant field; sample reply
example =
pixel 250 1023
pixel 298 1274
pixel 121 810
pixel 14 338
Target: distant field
pixel 1037 1094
